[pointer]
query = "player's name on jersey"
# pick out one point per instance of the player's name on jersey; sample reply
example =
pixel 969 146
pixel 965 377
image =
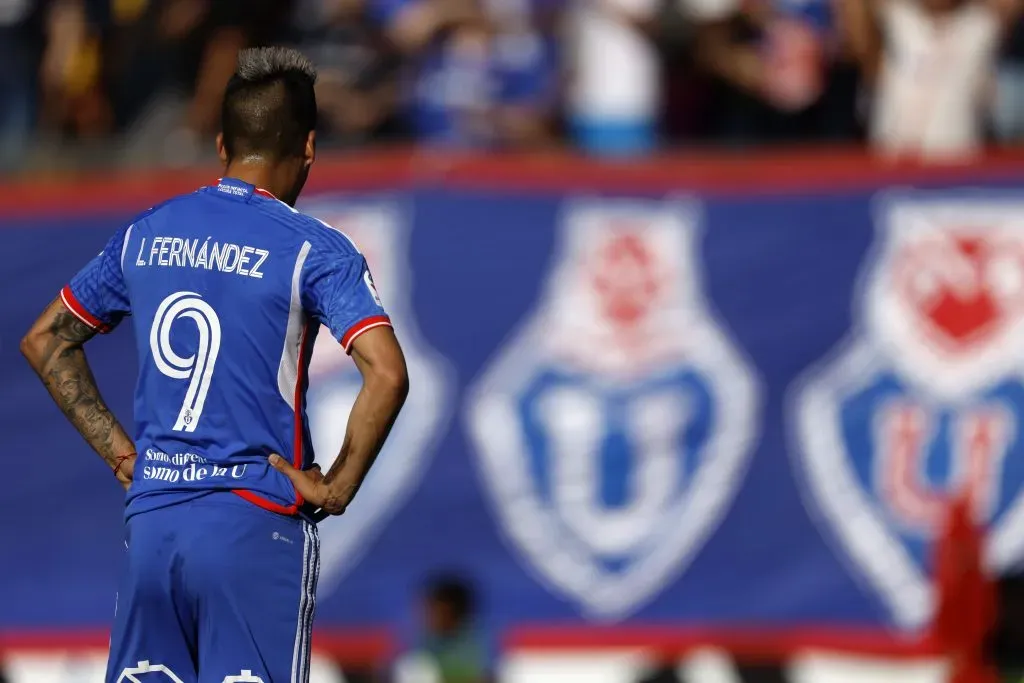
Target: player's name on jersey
pixel 185 467
pixel 207 254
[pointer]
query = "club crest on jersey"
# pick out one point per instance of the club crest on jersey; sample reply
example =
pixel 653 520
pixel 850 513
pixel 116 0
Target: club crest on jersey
pixel 379 230
pixel 614 429
pixel 924 402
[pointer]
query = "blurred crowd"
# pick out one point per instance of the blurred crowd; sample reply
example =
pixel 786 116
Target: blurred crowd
pixel 139 81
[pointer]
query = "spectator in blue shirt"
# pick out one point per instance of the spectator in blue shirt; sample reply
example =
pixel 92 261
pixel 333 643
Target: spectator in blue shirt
pixel 19 43
pixel 474 78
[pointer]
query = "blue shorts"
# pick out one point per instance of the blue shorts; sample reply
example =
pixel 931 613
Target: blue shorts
pixel 217 591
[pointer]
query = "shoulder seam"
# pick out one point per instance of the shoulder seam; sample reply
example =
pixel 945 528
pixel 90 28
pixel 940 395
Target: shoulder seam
pixel 337 230
pixel 167 202
pixel 296 217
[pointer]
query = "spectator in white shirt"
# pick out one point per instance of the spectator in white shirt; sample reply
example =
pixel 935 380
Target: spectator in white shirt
pixel 931 63
pixel 614 98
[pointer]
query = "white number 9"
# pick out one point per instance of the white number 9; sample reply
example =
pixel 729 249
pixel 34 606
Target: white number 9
pixel 197 368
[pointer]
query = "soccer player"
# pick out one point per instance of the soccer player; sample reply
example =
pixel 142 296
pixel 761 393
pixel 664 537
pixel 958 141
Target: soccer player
pixel 228 287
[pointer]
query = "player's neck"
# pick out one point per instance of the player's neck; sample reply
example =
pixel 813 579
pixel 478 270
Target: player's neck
pixel 262 175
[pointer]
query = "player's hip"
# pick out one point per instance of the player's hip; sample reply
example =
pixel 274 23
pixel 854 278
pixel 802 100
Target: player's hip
pixel 217 534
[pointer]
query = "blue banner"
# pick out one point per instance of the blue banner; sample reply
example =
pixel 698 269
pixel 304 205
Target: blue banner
pixel 721 408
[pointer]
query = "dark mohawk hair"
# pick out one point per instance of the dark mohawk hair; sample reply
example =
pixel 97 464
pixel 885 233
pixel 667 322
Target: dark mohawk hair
pixel 269 104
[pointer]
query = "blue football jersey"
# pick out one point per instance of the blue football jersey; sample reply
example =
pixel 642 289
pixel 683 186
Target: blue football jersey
pixel 228 287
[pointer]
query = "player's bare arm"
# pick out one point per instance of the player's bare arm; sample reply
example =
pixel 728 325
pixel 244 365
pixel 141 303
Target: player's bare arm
pixel 381 362
pixel 54 347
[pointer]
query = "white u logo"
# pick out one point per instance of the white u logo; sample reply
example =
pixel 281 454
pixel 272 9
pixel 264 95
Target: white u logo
pixel 197 368
pixel 575 422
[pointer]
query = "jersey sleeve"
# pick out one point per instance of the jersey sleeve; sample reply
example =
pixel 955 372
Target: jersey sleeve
pixel 339 290
pixel 97 295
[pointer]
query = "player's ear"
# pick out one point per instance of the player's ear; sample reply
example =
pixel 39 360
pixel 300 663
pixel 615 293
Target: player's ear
pixel 222 151
pixel 310 155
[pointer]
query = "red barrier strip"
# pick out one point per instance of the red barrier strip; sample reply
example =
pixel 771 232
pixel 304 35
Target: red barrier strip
pixel 765 644
pixel 354 647
pixel 818 170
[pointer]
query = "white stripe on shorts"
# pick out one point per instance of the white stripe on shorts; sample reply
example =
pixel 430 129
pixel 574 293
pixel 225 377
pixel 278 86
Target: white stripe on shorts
pixel 298 653
pixel 312 592
pixel 310 608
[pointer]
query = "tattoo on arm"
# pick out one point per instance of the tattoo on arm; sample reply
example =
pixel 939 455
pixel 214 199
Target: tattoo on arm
pixel 67 327
pixel 66 374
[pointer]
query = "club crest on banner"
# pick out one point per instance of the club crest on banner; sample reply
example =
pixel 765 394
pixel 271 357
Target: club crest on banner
pixel 924 402
pixel 614 428
pixel 379 230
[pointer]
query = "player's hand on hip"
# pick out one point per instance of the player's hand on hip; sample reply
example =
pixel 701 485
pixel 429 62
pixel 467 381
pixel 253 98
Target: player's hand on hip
pixel 311 486
pixel 124 469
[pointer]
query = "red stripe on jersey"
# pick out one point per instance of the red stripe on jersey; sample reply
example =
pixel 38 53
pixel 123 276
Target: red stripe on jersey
pixel 80 311
pixel 300 425
pixel 262 502
pixel 363 326
pixel 300 431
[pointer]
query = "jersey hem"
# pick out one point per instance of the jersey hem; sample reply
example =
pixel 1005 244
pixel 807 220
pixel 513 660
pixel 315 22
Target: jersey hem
pixel 261 502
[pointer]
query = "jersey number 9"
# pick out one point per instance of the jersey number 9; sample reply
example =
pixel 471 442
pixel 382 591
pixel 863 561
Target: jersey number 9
pixel 197 368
